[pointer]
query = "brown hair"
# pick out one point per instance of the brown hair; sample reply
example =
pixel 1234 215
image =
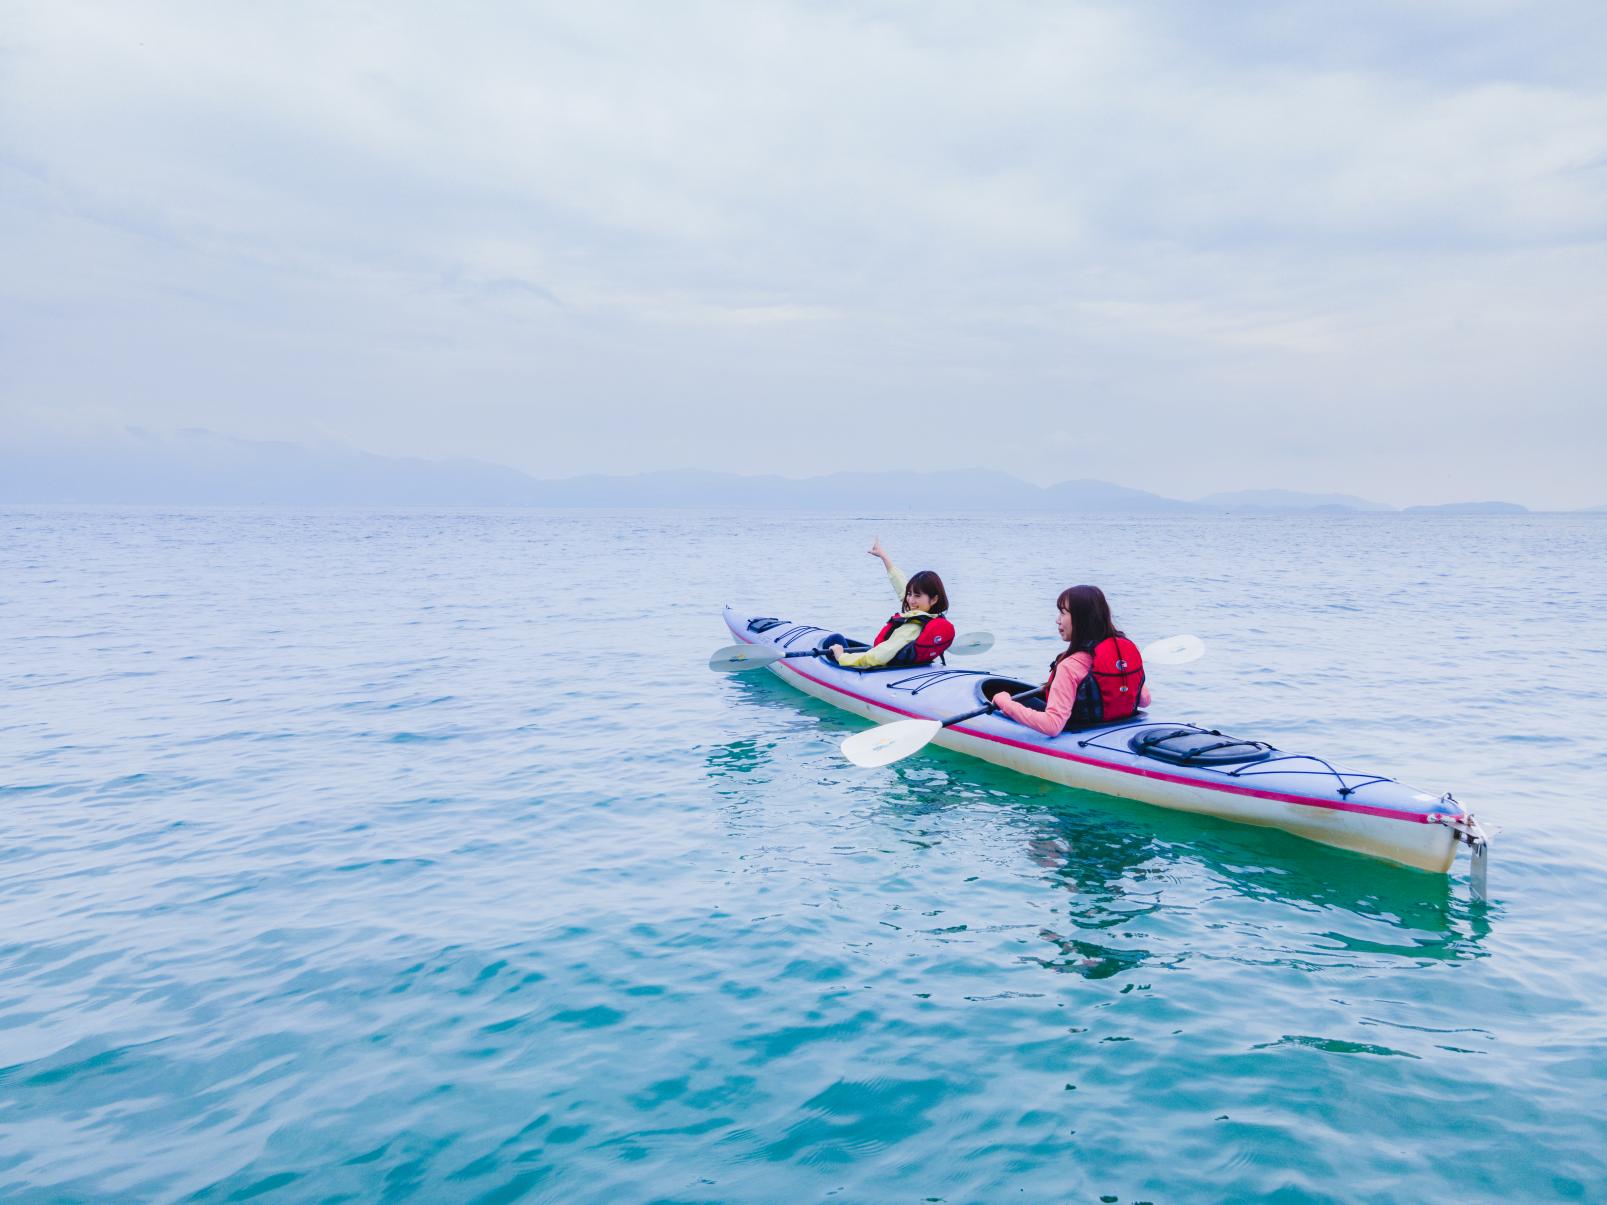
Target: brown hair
pixel 928 582
pixel 1090 621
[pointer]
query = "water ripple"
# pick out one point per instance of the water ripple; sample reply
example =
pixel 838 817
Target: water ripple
pixel 372 856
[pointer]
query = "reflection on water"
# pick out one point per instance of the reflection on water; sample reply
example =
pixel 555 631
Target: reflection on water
pixel 738 757
pixel 1330 904
pixel 482 920
pixel 1120 864
pixel 1119 861
pixel 1089 959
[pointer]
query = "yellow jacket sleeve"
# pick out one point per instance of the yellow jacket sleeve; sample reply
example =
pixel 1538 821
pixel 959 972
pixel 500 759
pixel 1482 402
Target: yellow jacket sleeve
pixel 881 654
pixel 900 582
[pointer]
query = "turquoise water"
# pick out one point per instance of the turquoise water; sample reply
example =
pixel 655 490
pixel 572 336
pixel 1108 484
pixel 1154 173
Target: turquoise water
pixel 418 856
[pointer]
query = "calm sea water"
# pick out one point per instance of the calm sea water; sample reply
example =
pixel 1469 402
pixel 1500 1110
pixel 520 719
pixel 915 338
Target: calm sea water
pixel 419 856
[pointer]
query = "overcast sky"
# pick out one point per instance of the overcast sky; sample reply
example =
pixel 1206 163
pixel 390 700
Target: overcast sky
pixel 1185 247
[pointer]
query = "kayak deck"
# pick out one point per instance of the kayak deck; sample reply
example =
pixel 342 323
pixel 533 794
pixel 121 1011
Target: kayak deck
pixel 1169 764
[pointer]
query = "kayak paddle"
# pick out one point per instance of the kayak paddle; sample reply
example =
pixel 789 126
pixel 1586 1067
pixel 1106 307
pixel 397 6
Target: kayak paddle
pixel 888 743
pixel 739 658
pixel 1174 650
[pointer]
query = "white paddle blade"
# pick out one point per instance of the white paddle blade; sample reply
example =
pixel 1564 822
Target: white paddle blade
pixel 970 646
pixel 887 744
pixel 1174 650
pixel 739 658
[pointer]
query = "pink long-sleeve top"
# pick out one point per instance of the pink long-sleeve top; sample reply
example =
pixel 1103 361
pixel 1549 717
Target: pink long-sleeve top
pixel 1062 695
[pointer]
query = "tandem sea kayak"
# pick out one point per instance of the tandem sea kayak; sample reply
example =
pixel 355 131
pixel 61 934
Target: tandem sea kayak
pixel 1168 764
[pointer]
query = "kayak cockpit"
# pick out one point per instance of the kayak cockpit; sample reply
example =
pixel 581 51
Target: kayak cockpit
pixel 990 686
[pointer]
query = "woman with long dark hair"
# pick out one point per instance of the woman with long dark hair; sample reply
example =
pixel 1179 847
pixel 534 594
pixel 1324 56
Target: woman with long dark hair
pixel 1099 679
pixel 916 634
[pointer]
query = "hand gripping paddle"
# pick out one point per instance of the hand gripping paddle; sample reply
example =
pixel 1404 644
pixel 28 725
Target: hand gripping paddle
pixel 888 743
pixel 740 658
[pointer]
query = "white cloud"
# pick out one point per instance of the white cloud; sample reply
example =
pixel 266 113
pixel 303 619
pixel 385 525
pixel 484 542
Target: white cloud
pixel 497 229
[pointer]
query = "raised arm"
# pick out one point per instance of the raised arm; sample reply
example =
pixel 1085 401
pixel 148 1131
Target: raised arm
pixel 894 574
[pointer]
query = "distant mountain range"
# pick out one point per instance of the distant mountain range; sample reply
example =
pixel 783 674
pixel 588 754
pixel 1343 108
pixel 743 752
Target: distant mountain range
pixel 201 468
pixel 1287 500
pixel 1469 508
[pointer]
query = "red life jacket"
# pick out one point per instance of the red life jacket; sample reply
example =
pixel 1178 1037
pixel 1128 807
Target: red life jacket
pixel 936 635
pixel 1110 691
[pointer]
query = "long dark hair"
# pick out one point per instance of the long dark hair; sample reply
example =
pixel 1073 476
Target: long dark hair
pixel 1090 621
pixel 928 582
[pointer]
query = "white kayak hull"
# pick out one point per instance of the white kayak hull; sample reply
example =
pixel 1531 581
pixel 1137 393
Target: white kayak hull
pixel 1300 794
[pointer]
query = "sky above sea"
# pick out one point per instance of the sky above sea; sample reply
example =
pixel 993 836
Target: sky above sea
pixel 1184 246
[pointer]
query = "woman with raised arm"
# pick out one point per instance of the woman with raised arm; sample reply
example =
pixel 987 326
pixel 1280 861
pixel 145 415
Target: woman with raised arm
pixel 915 635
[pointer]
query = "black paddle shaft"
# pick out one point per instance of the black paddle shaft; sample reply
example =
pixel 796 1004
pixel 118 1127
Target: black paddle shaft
pixel 805 653
pixel 971 715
